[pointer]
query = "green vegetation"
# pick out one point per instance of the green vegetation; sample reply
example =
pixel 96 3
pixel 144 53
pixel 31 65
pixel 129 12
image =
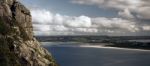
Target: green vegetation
pixel 2 27
pixel 51 59
pixel 79 39
pixel 6 29
pixel 23 33
pixel 7 56
pixel 48 57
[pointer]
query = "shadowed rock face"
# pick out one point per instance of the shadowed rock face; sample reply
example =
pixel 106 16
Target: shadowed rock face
pixel 18 47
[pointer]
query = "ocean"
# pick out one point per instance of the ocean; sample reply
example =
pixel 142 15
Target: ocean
pixel 84 54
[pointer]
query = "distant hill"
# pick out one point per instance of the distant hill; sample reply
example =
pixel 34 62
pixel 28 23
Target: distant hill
pixel 89 38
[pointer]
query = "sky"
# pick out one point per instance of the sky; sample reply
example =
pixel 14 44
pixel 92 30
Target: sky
pixel 90 17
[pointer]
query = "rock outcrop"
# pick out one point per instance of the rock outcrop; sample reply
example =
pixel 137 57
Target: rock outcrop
pixel 18 47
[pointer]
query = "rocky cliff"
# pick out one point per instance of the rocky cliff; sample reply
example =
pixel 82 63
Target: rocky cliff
pixel 18 47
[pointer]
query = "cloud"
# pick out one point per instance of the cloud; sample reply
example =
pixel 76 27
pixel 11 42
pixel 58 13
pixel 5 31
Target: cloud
pixel 119 4
pixel 49 27
pixel 41 27
pixel 143 12
pixel 126 8
pixel 59 19
pixel 81 21
pixel 146 28
pixel 115 24
pixel 126 14
pixel 89 30
pixel 41 16
pixel 48 23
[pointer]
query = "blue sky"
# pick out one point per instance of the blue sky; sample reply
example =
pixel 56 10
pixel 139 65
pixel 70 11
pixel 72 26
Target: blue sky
pixel 90 17
pixel 67 8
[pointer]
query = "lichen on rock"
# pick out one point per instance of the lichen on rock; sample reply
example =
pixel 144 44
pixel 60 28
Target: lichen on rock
pixel 18 47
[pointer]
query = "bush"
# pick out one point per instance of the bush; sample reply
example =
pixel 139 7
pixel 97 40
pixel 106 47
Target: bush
pixel 4 28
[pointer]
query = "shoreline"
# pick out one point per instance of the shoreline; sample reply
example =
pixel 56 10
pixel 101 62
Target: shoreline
pixel 86 45
pixel 109 47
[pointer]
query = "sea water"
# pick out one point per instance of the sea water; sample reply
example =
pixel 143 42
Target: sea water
pixel 82 54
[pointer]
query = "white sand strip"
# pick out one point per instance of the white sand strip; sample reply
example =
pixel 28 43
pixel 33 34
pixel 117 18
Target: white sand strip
pixel 100 46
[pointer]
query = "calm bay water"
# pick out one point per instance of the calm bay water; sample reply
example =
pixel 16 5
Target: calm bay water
pixel 71 54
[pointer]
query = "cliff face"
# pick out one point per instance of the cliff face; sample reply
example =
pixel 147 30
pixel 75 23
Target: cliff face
pixel 18 47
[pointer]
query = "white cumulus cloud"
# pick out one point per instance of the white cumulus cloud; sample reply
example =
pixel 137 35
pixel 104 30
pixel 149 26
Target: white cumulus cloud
pixel 146 28
pixel 81 21
pixel 41 16
pixel 125 7
pixel 46 22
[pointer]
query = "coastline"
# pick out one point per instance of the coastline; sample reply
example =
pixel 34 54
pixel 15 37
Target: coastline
pixel 109 47
pixel 88 45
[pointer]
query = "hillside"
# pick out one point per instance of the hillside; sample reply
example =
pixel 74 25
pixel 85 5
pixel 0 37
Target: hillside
pixel 18 47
